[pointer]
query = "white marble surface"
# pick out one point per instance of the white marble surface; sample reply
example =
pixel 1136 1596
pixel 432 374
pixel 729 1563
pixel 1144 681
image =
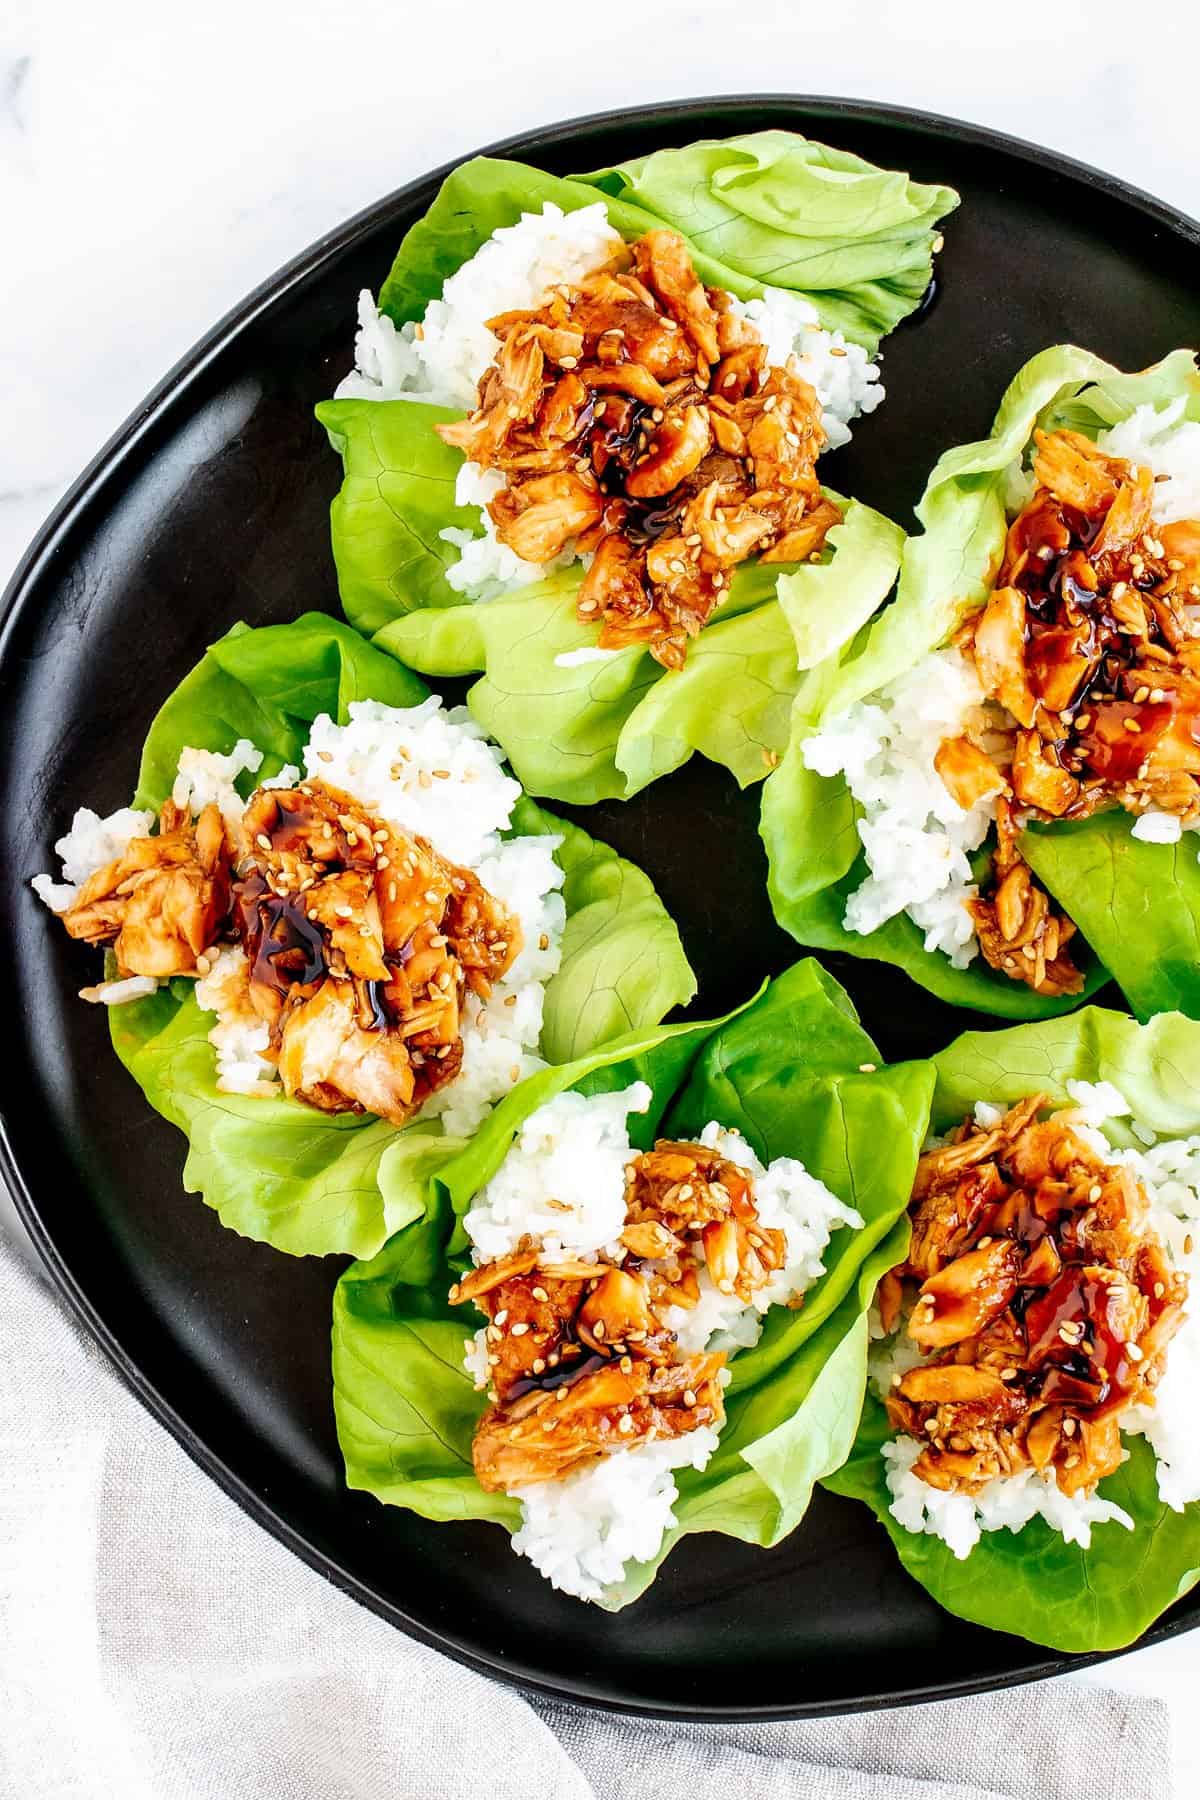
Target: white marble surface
pixel 156 162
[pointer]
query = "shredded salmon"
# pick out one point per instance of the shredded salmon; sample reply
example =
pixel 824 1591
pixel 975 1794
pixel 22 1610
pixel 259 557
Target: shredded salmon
pixel 635 417
pixel 1089 650
pixel 1044 1299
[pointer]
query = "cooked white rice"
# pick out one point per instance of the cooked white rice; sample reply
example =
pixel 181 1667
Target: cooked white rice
pixel 1170 1173
pixel 432 772
pixel 441 359
pixel 1163 441
pixel 240 1038
pixel 917 839
pixel 86 847
pixel 583 1533
pixel 563 1180
pixel 563 1184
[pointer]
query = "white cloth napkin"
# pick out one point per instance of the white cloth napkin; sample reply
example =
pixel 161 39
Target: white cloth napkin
pixel 156 1644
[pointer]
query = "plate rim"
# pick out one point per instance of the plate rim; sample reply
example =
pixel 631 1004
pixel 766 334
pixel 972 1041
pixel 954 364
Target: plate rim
pixel 87 490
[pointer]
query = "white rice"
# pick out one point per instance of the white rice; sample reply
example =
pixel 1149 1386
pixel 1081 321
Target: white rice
pixel 206 776
pixel 1163 441
pixel 582 1533
pixel 1007 1503
pixel 441 360
pixel 916 838
pixel 1170 1173
pixel 563 1180
pixel 88 846
pixel 563 1184
pixel 432 772
pixel 240 1038
pixel 120 993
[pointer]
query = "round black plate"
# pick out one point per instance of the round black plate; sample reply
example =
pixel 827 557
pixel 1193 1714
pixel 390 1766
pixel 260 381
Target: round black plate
pixel 210 506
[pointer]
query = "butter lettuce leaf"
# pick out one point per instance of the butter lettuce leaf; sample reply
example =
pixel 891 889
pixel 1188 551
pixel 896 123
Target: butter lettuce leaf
pixel 769 208
pixel 1137 905
pixel 1033 1583
pixel 603 726
pixel 275 1169
pixel 788 1071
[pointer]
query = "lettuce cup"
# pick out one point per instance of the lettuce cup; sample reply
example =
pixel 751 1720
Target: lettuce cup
pixel 581 443
pixel 635 1306
pixel 997 784
pixel 1029 1438
pixel 333 921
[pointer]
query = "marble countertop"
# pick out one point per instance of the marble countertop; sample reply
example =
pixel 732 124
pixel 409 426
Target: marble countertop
pixel 157 162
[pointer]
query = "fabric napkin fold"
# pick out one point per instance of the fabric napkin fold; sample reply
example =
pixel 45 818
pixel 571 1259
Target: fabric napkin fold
pixel 157 1644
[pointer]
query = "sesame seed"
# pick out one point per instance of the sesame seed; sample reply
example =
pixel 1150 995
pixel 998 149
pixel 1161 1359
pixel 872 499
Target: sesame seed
pixel 1142 695
pixel 1068 1427
pixel 867 1068
pixel 539 1365
pixel 431 896
pixel 520 1329
pixel 625 1424
pixel 501 1316
pixel 561 1393
pixel 514 1074
pixel 1095 1191
pixel 689 1398
pixel 539 1293
pixel 325 756
pixel 263 841
pixel 1133 1352
pixel 1008 1374
pixel 598 1328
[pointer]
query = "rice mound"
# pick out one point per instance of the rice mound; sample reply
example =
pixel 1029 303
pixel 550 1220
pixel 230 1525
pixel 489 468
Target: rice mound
pixel 581 1533
pixel 1170 1173
pixel 916 838
pixel 563 1180
pixel 562 1184
pixel 440 360
pixel 90 843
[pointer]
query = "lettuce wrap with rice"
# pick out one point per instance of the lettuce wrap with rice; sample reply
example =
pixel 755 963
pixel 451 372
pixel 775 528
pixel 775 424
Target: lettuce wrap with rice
pixel 811 253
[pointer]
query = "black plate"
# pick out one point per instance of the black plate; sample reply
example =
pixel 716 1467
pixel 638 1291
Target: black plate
pixel 210 506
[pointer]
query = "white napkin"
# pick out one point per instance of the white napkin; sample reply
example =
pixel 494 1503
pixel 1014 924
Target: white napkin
pixel 156 1644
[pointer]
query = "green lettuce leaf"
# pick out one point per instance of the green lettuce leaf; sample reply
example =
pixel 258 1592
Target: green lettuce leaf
pixel 796 1073
pixel 776 207
pixel 275 1169
pixel 1099 874
pixel 605 728
pixel 395 500
pixel 1032 1583
pixel 857 240
pixel 770 208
